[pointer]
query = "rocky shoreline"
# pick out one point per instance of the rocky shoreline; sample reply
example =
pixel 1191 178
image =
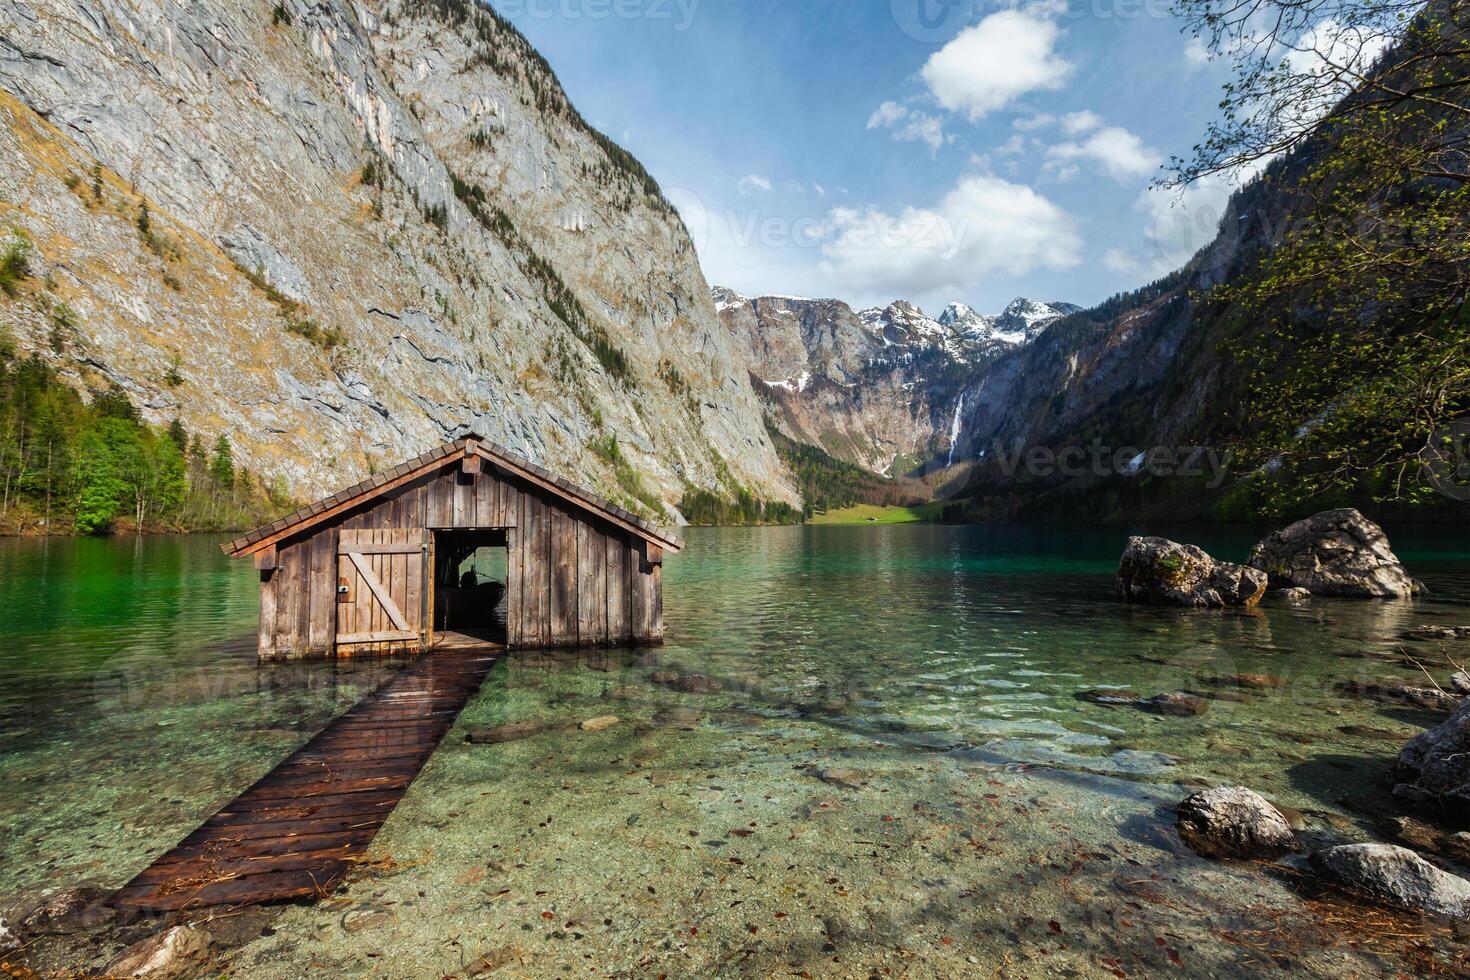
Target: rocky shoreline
pixel 1337 553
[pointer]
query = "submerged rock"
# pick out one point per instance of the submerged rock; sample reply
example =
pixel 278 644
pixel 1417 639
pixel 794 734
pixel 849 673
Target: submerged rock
pixel 1178 704
pixel 1424 837
pixel 1252 682
pixel 696 684
pixel 600 723
pixel 366 917
pixel 1234 822
pixel 171 953
pixel 678 717
pixel 1397 692
pixel 1336 552
pixel 1425 633
pixel 1433 769
pixel 1394 875
pixel 509 732
pixel 1295 594
pixel 1103 695
pixel 744 683
pixel 1160 570
pixel 839 776
pixel 71 910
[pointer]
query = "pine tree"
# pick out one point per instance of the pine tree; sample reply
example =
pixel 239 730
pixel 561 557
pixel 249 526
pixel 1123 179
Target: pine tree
pixel 222 465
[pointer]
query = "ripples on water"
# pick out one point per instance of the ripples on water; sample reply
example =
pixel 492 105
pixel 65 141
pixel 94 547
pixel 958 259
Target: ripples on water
pixel 943 663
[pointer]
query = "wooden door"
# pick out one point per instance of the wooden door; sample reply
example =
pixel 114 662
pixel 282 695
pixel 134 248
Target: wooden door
pixel 383 584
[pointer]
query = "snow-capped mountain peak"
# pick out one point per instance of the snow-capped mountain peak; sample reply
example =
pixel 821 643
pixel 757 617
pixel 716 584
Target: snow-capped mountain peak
pixel 877 385
pixel 960 316
pixel 1023 319
pixel 726 298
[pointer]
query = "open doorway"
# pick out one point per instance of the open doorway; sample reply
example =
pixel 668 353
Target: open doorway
pixel 469 587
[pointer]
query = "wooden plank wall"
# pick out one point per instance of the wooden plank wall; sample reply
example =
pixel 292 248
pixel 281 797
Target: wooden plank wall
pixel 573 579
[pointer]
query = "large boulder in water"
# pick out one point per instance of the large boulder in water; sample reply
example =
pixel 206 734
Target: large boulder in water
pixel 1396 876
pixel 1234 822
pixel 1336 552
pixel 1433 770
pixel 1160 570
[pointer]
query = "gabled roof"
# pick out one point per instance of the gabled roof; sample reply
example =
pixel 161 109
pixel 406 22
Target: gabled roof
pixel 429 462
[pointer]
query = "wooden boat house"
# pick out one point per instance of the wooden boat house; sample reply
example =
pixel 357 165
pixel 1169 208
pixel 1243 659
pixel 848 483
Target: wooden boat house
pixel 466 544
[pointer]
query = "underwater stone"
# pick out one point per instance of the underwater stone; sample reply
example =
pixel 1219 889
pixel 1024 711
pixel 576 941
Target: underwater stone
pixel 1396 875
pixel 600 723
pixel 171 953
pixel 677 717
pixel 1253 682
pixel 66 911
pixel 696 684
pixel 1109 696
pixel 1293 594
pixel 1234 822
pixel 1178 704
pixel 846 778
pixel 1397 692
pixel 1423 633
pixel 509 732
pixel 366 917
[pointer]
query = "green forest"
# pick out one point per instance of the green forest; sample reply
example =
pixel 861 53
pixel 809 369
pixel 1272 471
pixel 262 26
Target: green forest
pixel 69 465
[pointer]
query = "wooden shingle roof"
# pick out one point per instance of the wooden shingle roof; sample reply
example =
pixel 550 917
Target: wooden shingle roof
pixel 435 459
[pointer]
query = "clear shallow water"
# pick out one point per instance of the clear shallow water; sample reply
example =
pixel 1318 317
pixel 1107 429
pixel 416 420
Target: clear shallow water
pixel 990 822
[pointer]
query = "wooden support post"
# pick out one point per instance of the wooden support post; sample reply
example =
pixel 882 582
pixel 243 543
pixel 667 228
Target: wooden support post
pixel 470 466
pixel 265 560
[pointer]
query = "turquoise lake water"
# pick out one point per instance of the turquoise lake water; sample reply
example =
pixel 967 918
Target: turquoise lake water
pixel 987 822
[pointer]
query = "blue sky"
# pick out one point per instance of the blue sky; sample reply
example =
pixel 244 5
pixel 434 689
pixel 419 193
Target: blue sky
pixel 850 148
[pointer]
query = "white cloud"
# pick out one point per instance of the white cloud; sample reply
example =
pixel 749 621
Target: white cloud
pixel 1039 121
pixel 991 64
pixel 886 114
pixel 1196 52
pixel 1334 56
pixel 1122 261
pixel 1077 123
pixel 753 183
pixel 909 125
pixel 1016 144
pixel 984 225
pixel 1118 153
pixel 1181 221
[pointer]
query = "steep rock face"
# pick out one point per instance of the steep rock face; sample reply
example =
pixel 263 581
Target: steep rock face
pixel 883 387
pixel 366 226
pixel 1150 368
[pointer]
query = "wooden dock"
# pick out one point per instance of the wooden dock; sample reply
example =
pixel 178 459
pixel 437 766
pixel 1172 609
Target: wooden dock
pixel 297 831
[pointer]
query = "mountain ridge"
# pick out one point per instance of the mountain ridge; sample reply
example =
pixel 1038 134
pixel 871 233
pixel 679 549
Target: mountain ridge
pixel 880 387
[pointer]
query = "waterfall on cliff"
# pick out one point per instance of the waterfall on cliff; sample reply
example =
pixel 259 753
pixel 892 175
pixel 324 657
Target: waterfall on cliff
pixel 954 428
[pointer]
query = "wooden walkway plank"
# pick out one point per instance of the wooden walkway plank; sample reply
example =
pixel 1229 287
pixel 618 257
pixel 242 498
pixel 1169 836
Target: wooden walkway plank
pixel 298 831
